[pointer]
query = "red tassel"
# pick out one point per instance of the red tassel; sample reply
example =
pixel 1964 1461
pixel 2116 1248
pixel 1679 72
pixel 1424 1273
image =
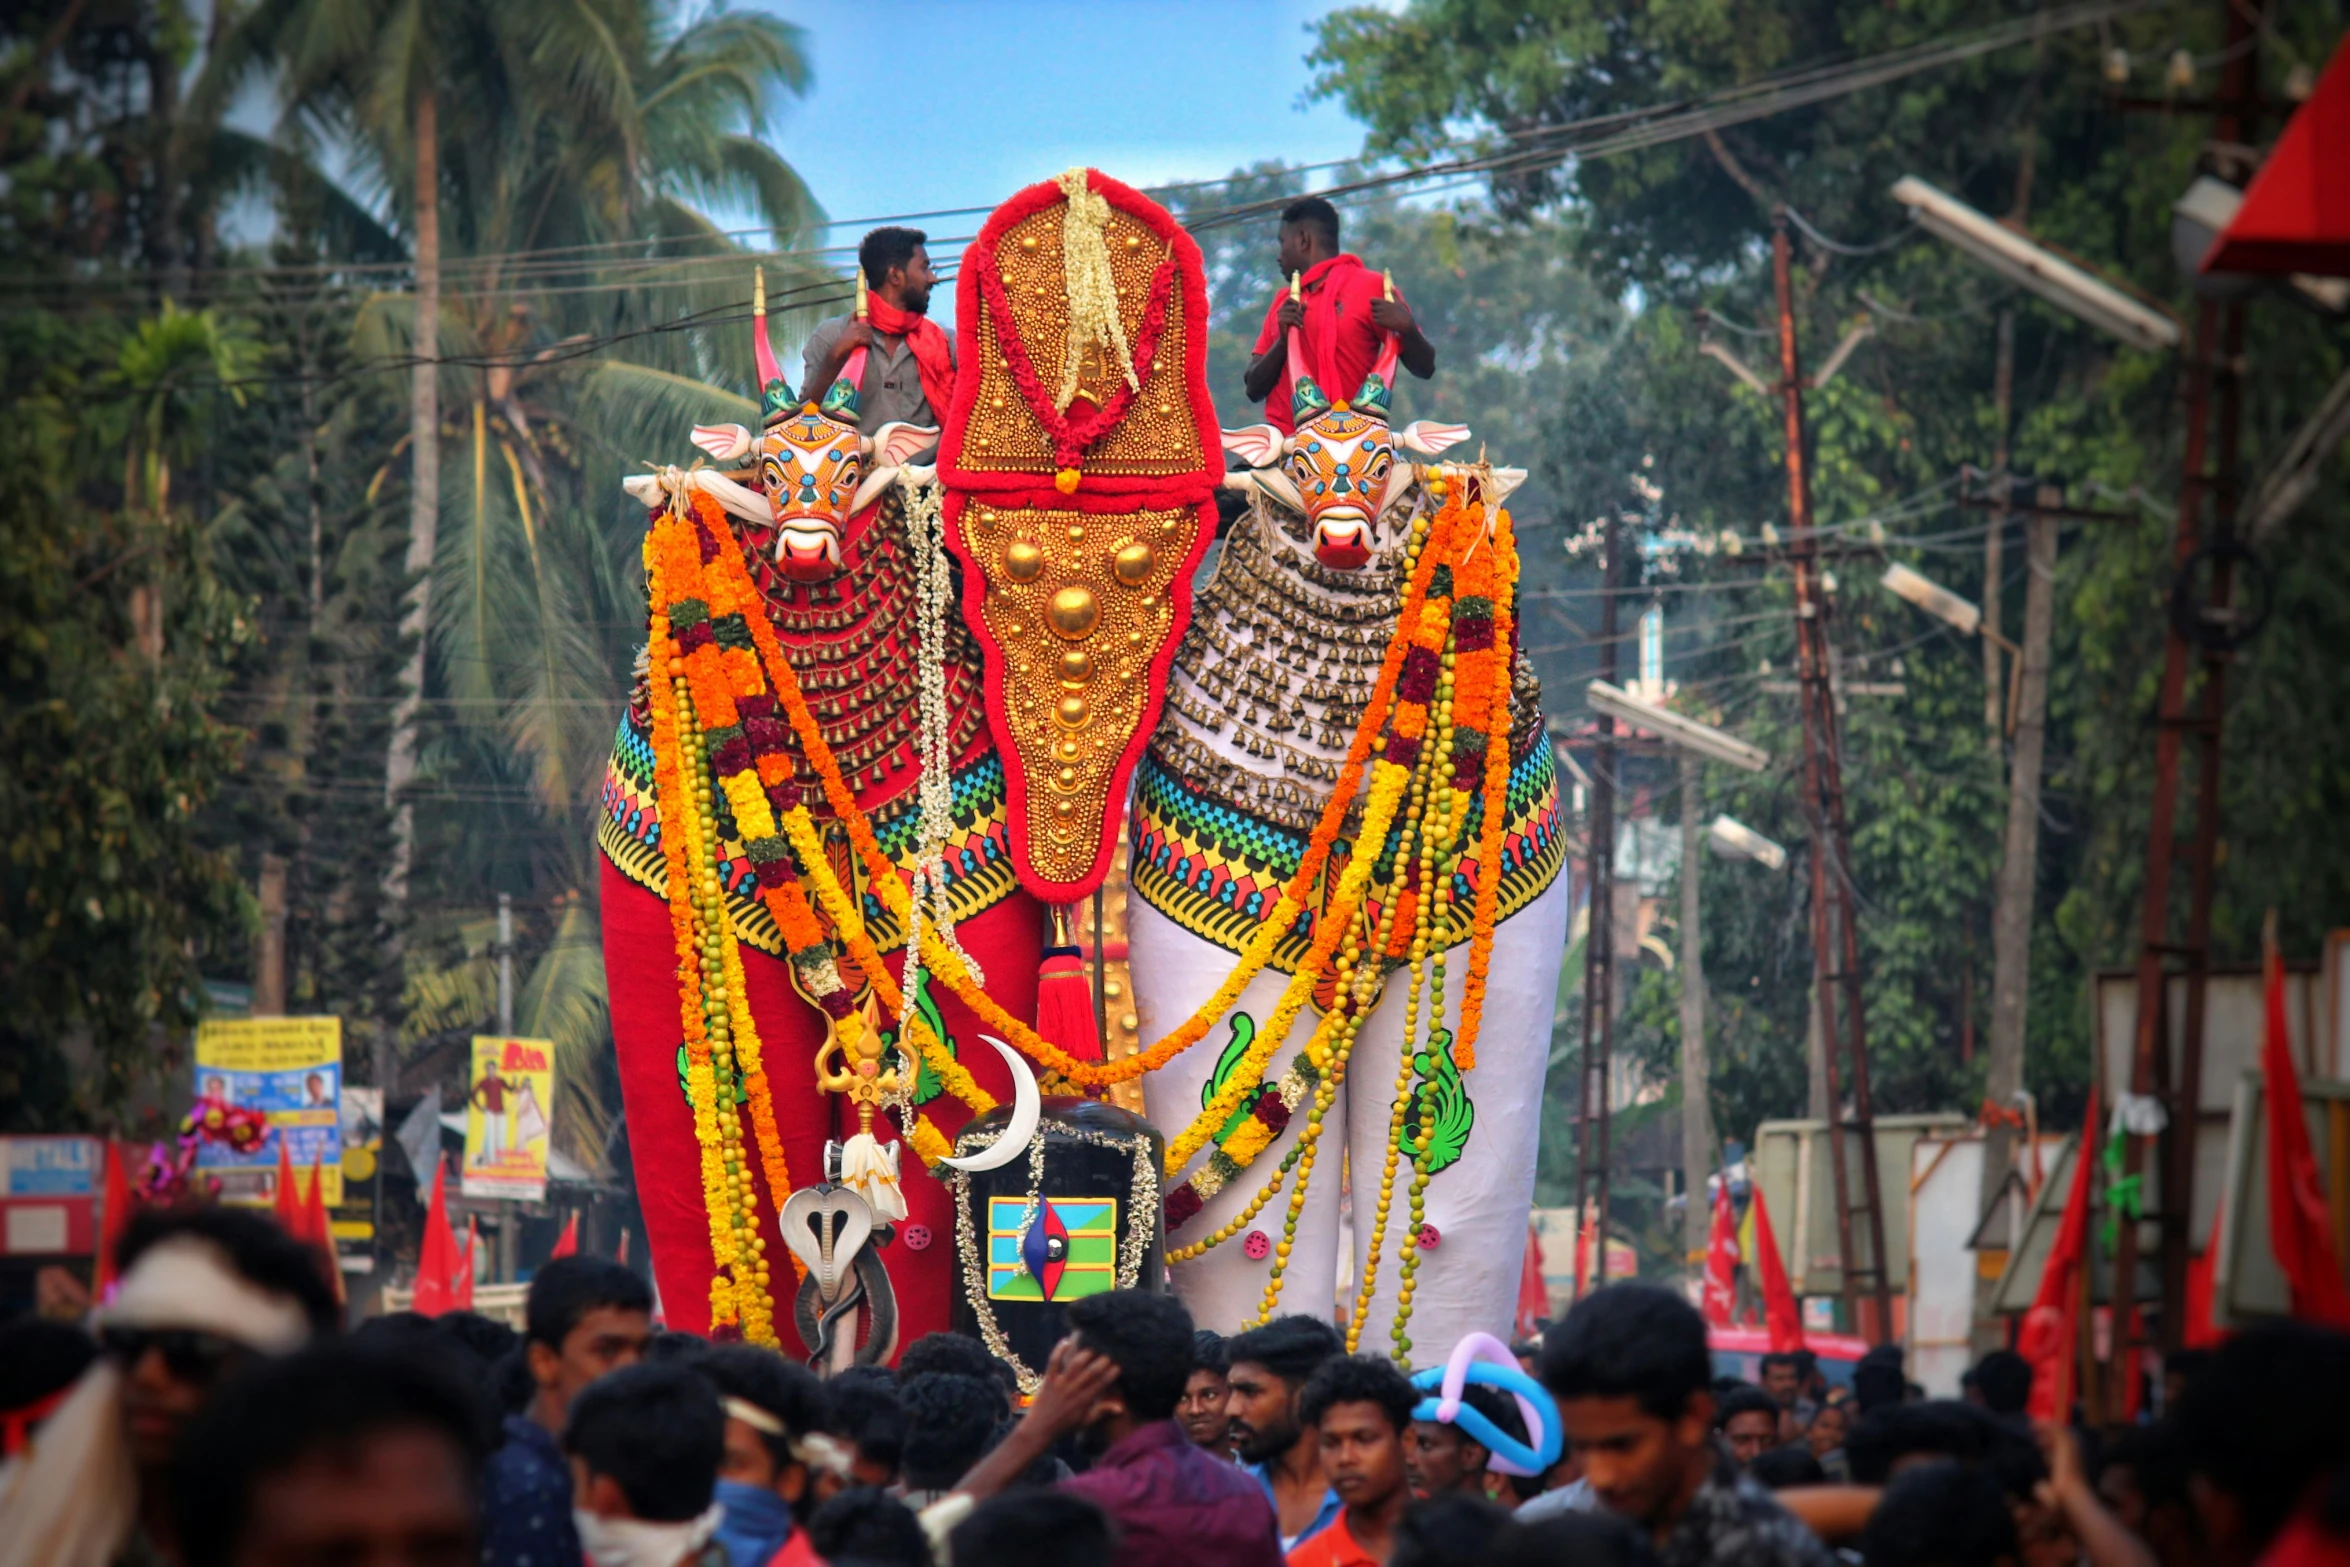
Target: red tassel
pixel 1064 1004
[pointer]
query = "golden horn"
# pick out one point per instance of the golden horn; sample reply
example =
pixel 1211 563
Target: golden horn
pixel 1297 286
pixel 759 292
pixel 860 293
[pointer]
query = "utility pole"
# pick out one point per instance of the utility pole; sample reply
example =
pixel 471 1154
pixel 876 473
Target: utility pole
pixel 1697 1115
pixel 2215 362
pixel 1995 542
pixel 1852 1146
pixel 1599 956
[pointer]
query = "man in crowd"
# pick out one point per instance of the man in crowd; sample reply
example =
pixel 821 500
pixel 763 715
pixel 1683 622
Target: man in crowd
pixel 2263 1431
pixel 1035 1529
pixel 1359 1407
pixel 1270 1368
pixel 910 371
pixel 336 1454
pixel 585 1318
pixel 1941 1514
pixel 1441 1458
pixel 1343 316
pixel 775 1448
pixel 1115 1382
pixel 1632 1376
pixel 866 1414
pixel 1201 1413
pixel 1748 1419
pixel 2000 1382
pixel 645 1444
pixel 949 1418
pixel 1782 1378
pixel 2144 1482
pixel 204 1291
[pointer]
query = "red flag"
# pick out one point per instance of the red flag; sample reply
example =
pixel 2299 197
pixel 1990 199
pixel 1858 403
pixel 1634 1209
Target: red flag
pixel 567 1243
pixel 2300 1231
pixel 2200 1331
pixel 622 1256
pixel 1721 1259
pixel 1784 1317
pixel 2052 1328
pixel 1533 1298
pixel 320 1230
pixel 461 1287
pixel 114 1212
pixel 436 1259
pixel 288 1196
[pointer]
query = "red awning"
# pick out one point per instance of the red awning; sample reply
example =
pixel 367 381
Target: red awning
pixel 2296 213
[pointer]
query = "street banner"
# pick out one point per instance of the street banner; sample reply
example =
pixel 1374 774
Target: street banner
pixel 291 1070
pixel 353 1219
pixel 509 1103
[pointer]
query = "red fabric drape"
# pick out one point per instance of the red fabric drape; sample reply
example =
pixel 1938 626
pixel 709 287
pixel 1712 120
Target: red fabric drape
pixel 1780 1313
pixel 2300 1231
pixel 640 975
pixel 934 356
pixel 2052 1327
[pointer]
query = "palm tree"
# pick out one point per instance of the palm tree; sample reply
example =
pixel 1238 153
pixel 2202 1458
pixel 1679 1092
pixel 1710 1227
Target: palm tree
pixel 554 165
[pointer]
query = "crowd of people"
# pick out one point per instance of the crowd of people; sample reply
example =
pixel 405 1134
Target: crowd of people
pixel 214 1413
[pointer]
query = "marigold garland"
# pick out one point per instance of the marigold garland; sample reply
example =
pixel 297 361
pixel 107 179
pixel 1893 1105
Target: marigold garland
pixel 1496 791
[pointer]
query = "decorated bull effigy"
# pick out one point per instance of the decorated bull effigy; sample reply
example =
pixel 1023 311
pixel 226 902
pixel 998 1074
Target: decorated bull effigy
pixel 889 723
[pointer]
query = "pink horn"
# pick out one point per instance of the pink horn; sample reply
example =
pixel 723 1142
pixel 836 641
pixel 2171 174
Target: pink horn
pixel 769 371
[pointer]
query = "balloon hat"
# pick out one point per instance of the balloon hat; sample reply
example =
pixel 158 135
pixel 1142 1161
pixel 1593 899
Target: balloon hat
pixel 1484 1359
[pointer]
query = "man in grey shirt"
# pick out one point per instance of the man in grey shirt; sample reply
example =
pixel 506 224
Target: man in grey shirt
pixel 909 374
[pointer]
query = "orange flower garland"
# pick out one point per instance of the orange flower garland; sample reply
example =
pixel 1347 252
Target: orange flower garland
pixel 1496 792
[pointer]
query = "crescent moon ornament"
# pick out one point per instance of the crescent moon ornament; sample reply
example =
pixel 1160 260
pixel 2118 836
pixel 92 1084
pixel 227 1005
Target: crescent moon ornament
pixel 1026 1108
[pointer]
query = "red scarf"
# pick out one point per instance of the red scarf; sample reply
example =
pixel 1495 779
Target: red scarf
pixel 934 358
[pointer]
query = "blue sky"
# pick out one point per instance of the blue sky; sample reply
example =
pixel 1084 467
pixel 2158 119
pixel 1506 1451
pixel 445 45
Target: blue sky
pixel 927 104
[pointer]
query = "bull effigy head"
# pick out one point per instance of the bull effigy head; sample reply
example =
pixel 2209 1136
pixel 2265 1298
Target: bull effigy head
pixel 1341 468
pixel 811 463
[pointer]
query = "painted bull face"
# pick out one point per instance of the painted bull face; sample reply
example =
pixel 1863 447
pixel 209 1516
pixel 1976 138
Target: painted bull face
pixel 811 468
pixel 1340 462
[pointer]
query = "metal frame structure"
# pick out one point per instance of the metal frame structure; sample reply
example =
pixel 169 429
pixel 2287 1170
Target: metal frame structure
pixel 1599 957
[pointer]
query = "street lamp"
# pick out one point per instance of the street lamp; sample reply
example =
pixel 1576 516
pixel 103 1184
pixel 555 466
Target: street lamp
pixel 1963 614
pixel 2032 266
pixel 1734 840
pixel 1687 733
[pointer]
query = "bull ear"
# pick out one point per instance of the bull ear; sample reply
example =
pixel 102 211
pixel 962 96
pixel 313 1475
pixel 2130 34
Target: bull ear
pixel 1278 487
pixel 646 489
pixel 1258 445
pixel 897 440
pixel 1503 482
pixel 725 442
pixel 1428 438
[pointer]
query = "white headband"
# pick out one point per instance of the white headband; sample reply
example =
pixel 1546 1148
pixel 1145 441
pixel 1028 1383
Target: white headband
pixel 185 1281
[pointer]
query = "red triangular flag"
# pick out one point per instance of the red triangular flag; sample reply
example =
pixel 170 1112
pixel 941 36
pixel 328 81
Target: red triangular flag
pixel 1780 1312
pixel 320 1230
pixel 2051 1330
pixel 114 1212
pixel 436 1259
pixel 2296 212
pixel 461 1287
pixel 2300 1231
pixel 1533 1296
pixel 287 1197
pixel 1721 1259
pixel 567 1243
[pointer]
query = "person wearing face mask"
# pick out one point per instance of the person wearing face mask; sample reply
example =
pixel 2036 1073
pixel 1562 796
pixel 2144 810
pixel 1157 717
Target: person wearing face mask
pixel 645 1444
pixel 775 1450
pixel 204 1292
pixel 1116 1381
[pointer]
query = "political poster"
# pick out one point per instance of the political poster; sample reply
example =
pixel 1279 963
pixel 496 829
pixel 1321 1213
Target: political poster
pixel 290 1071
pixel 353 1219
pixel 509 1110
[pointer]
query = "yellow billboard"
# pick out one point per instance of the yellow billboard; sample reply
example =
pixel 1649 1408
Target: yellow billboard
pixel 291 1070
pixel 509 1111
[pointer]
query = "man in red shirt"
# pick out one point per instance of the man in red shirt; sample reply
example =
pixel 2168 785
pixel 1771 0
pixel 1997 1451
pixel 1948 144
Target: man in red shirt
pixel 1116 1380
pixel 1361 1405
pixel 1344 315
